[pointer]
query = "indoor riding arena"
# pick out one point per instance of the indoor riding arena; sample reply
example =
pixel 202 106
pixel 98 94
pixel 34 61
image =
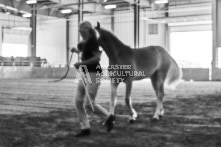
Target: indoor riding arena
pixel 171 50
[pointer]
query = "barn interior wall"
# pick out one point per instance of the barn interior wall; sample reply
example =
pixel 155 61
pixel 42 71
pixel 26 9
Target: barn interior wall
pixel 124 26
pixel 11 22
pixel 73 35
pixel 51 40
pixel 190 9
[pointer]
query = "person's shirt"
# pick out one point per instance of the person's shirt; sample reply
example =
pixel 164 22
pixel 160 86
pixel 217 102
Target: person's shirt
pixel 89 49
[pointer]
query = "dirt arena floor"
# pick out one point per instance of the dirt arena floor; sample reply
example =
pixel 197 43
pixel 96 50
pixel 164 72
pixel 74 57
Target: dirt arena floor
pixel 35 113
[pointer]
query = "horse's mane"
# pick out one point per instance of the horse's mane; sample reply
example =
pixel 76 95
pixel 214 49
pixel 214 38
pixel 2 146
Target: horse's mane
pixel 111 36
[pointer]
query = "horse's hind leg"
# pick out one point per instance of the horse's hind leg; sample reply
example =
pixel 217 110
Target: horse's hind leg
pixel 133 113
pixel 113 97
pixel 158 84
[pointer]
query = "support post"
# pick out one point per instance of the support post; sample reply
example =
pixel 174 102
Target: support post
pixel 136 23
pixel 80 17
pixel 33 33
pixel 1 39
pixel 112 21
pixel 67 39
pixel 216 29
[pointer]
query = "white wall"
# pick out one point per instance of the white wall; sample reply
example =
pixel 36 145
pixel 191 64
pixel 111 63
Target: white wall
pixel 124 26
pixel 51 40
pixel 192 49
pixel 159 39
pixel 11 21
pixel 73 35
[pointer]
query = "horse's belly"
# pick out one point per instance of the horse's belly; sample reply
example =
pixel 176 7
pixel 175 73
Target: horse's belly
pixel 129 74
pixel 141 75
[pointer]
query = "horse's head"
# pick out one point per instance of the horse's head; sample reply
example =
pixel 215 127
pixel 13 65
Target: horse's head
pixel 107 40
pixel 103 36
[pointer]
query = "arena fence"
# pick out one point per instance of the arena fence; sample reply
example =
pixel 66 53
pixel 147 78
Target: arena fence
pixel 35 67
pixel 23 61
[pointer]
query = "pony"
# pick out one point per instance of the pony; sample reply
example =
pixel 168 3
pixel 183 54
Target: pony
pixel 127 64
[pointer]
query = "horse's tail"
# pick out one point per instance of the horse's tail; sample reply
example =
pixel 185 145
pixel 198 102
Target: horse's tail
pixel 174 75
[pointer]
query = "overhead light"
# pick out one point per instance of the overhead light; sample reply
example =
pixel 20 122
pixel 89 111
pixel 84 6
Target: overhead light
pixel 10 8
pixel 22 28
pixel 110 6
pixel 161 1
pixel 29 2
pixel 66 11
pixel 26 15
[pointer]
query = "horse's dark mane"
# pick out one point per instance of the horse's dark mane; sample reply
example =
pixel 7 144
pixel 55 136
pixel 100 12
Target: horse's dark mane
pixel 113 37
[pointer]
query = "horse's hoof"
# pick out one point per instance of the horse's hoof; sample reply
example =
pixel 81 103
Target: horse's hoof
pixel 131 121
pixel 160 117
pixel 154 120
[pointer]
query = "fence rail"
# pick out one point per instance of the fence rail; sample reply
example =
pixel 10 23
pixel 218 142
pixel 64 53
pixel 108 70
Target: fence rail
pixel 23 61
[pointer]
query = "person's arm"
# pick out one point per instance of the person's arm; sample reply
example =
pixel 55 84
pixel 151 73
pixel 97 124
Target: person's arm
pixel 94 59
pixel 80 47
pixel 75 50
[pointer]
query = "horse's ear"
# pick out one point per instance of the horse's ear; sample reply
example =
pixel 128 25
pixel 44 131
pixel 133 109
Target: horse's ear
pixel 98 26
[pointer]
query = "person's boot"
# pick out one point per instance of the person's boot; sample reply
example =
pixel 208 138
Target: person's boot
pixel 110 122
pixel 83 132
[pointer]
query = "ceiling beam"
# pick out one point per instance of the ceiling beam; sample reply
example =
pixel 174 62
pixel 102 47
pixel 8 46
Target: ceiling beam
pixel 143 3
pixel 88 7
pixel 18 8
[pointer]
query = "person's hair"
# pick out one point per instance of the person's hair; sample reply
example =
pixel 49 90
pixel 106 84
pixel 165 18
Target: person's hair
pixel 85 24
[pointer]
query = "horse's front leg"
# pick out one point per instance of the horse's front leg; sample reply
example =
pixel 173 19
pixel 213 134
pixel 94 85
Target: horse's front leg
pixel 133 113
pixel 113 97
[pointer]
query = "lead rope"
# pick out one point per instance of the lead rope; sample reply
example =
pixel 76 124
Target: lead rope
pixel 62 78
pixel 82 76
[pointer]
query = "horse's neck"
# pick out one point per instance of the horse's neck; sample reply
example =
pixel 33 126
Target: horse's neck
pixel 116 50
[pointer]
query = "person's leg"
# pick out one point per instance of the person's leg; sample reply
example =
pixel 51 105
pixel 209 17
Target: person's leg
pixel 92 89
pixel 98 109
pixel 82 116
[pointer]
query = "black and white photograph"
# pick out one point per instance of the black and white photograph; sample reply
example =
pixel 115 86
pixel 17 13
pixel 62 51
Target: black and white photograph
pixel 110 73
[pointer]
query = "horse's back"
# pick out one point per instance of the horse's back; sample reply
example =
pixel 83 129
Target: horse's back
pixel 151 59
pixel 151 55
pixel 146 59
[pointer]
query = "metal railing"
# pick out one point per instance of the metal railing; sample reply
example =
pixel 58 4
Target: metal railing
pixel 24 63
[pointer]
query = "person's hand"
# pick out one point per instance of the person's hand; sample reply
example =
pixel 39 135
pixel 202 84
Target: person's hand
pixel 77 65
pixel 74 50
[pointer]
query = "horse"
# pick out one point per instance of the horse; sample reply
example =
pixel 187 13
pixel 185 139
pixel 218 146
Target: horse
pixel 152 62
